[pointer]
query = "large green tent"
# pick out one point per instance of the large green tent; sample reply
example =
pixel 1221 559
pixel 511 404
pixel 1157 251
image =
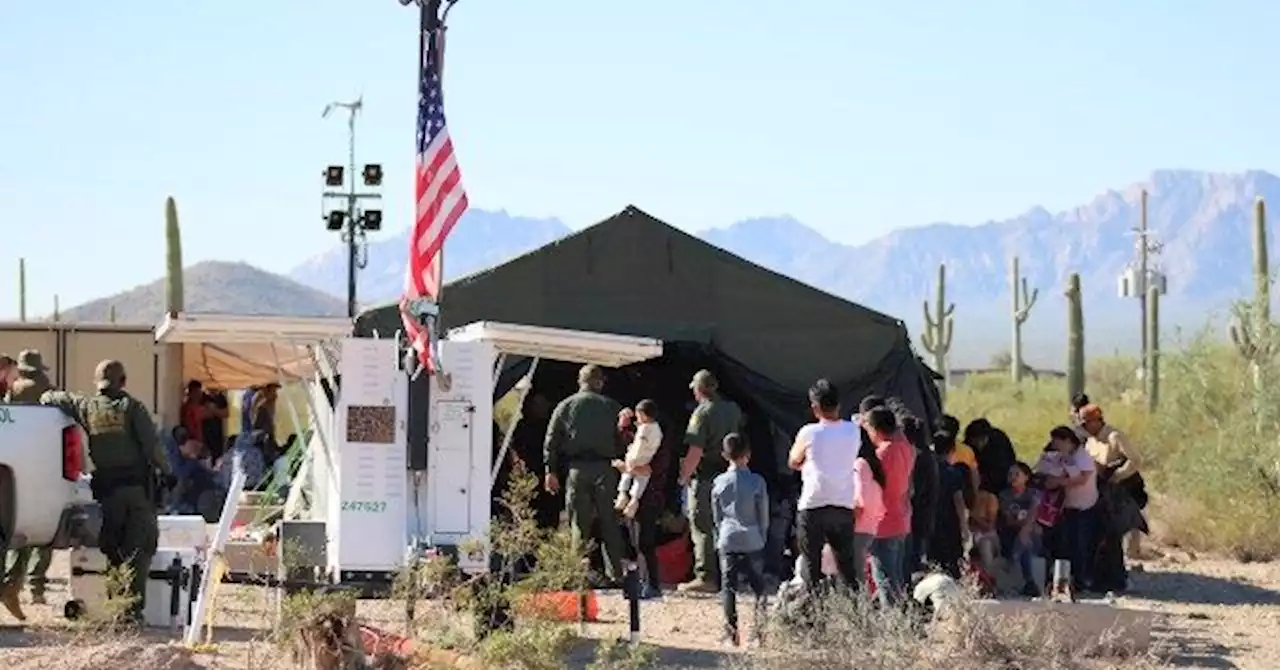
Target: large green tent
pixel 768 336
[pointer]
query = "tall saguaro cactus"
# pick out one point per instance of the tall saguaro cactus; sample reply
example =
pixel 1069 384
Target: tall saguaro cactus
pixel 1024 298
pixel 57 311
pixel 22 289
pixel 1153 348
pixel 1075 337
pixel 1251 331
pixel 173 290
pixel 938 327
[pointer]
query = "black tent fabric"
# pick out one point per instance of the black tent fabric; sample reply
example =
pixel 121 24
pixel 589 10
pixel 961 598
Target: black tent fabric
pixel 768 337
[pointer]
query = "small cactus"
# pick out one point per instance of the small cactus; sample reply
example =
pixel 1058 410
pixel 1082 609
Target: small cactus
pixel 938 327
pixel 1024 298
pixel 173 290
pixel 111 314
pixel 1152 377
pixel 1075 337
pixel 57 312
pixel 22 289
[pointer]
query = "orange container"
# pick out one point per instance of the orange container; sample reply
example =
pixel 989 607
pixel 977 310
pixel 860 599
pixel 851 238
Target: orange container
pixel 558 606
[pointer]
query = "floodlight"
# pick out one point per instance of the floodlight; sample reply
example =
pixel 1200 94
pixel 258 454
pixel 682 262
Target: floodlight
pixel 333 175
pixel 373 175
pixel 335 219
pixel 371 220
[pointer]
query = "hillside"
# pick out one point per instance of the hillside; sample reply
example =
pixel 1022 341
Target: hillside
pixel 1201 218
pixel 214 287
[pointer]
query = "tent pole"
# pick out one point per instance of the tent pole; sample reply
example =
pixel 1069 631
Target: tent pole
pixel 523 386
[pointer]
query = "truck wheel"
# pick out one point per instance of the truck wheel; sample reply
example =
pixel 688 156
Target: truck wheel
pixel 74 609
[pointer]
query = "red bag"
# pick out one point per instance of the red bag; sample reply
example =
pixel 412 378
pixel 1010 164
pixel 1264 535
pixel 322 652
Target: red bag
pixel 1049 511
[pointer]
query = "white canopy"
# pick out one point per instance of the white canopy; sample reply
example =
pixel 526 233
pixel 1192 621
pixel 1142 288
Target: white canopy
pixel 234 351
pixel 571 346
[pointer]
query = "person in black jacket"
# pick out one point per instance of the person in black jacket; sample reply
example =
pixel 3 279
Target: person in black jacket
pixel 924 485
pixel 995 454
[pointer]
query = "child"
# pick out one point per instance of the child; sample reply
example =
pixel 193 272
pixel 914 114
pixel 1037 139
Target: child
pixel 946 546
pixel 635 469
pixel 982 524
pixel 740 512
pixel 1018 528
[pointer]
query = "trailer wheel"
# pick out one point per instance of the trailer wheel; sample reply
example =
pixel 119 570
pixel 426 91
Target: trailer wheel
pixel 74 609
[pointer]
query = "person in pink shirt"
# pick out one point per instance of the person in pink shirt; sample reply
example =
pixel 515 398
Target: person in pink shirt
pixel 868 501
pixel 897 458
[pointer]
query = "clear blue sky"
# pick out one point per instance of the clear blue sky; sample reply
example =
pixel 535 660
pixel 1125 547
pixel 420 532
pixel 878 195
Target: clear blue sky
pixel 855 117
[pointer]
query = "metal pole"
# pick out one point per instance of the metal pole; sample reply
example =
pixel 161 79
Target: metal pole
pixel 352 224
pixel 1143 282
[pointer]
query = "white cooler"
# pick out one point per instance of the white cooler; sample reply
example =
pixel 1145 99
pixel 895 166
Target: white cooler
pixel 88 587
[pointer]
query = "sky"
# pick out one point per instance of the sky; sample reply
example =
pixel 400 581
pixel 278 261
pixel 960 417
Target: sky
pixel 857 118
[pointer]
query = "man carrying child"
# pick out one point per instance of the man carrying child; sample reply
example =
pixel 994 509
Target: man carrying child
pixel 740 511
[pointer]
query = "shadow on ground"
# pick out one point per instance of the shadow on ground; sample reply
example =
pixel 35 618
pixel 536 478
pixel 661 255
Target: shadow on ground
pixel 585 653
pixel 1195 589
pixel 1183 650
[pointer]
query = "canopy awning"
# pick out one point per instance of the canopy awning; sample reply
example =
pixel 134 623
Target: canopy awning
pixel 235 352
pixel 570 346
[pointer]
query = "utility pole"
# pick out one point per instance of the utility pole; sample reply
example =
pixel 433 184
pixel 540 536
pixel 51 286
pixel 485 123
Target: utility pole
pixel 1143 273
pixel 352 221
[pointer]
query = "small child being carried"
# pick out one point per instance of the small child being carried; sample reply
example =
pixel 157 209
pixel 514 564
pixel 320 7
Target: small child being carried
pixel 635 468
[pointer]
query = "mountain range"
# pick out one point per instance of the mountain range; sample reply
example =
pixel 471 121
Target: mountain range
pixel 1202 221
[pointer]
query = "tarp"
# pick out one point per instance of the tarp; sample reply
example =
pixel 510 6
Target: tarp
pixel 769 337
pixel 241 365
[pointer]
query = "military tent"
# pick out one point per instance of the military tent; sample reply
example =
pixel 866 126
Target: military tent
pixel 766 336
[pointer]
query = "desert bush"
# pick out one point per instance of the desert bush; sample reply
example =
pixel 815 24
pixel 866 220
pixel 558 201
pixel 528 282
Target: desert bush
pixel 856 634
pixel 1211 451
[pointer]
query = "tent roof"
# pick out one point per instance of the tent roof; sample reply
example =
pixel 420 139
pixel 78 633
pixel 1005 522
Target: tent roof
pixel 237 351
pixel 633 274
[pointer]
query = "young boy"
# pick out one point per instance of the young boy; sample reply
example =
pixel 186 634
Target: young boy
pixel 740 510
pixel 635 468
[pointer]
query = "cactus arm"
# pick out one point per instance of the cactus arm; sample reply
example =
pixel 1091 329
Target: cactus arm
pixel 948 329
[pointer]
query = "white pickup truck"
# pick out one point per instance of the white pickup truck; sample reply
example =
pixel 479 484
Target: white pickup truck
pixel 43 497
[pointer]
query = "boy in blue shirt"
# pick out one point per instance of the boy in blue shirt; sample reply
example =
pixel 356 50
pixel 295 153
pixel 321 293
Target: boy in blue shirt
pixel 740 510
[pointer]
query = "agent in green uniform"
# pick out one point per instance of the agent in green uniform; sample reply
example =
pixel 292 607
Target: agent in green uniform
pixel 583 433
pixel 31 383
pixel 713 419
pixel 126 455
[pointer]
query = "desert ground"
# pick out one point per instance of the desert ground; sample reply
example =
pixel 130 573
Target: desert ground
pixel 1214 613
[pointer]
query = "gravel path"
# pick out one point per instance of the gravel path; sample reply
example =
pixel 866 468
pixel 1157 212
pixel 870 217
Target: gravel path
pixel 1216 614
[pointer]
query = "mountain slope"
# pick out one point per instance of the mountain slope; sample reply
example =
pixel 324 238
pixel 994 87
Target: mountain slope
pixel 214 287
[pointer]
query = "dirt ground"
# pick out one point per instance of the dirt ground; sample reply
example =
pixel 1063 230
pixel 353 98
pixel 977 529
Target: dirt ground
pixel 1214 614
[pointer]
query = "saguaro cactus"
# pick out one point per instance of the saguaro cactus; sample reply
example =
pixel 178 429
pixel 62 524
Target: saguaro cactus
pixel 173 292
pixel 1024 298
pixel 1153 348
pixel 1075 337
pixel 57 312
pixel 1251 330
pixel 938 327
pixel 111 314
pixel 22 289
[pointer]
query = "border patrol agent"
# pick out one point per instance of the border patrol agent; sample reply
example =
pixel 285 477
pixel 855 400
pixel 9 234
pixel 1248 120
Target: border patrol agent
pixel 711 421
pixel 583 432
pixel 126 454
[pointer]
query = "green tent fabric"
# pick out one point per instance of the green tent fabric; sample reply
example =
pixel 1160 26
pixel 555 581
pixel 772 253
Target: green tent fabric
pixel 635 275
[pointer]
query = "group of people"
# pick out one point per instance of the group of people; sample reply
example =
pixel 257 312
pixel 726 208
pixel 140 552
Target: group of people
pixel 881 492
pixel 128 469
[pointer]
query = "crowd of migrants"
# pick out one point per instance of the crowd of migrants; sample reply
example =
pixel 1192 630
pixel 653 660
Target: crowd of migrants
pixel 186 470
pixel 885 502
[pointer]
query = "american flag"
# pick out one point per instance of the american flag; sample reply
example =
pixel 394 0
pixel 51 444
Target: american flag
pixel 440 196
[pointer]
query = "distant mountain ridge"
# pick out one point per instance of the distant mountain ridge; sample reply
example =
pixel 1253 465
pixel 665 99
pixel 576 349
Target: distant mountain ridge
pixel 1202 219
pixel 212 287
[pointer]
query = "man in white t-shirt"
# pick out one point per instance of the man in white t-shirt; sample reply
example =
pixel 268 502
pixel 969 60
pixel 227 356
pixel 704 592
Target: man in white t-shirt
pixel 825 453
